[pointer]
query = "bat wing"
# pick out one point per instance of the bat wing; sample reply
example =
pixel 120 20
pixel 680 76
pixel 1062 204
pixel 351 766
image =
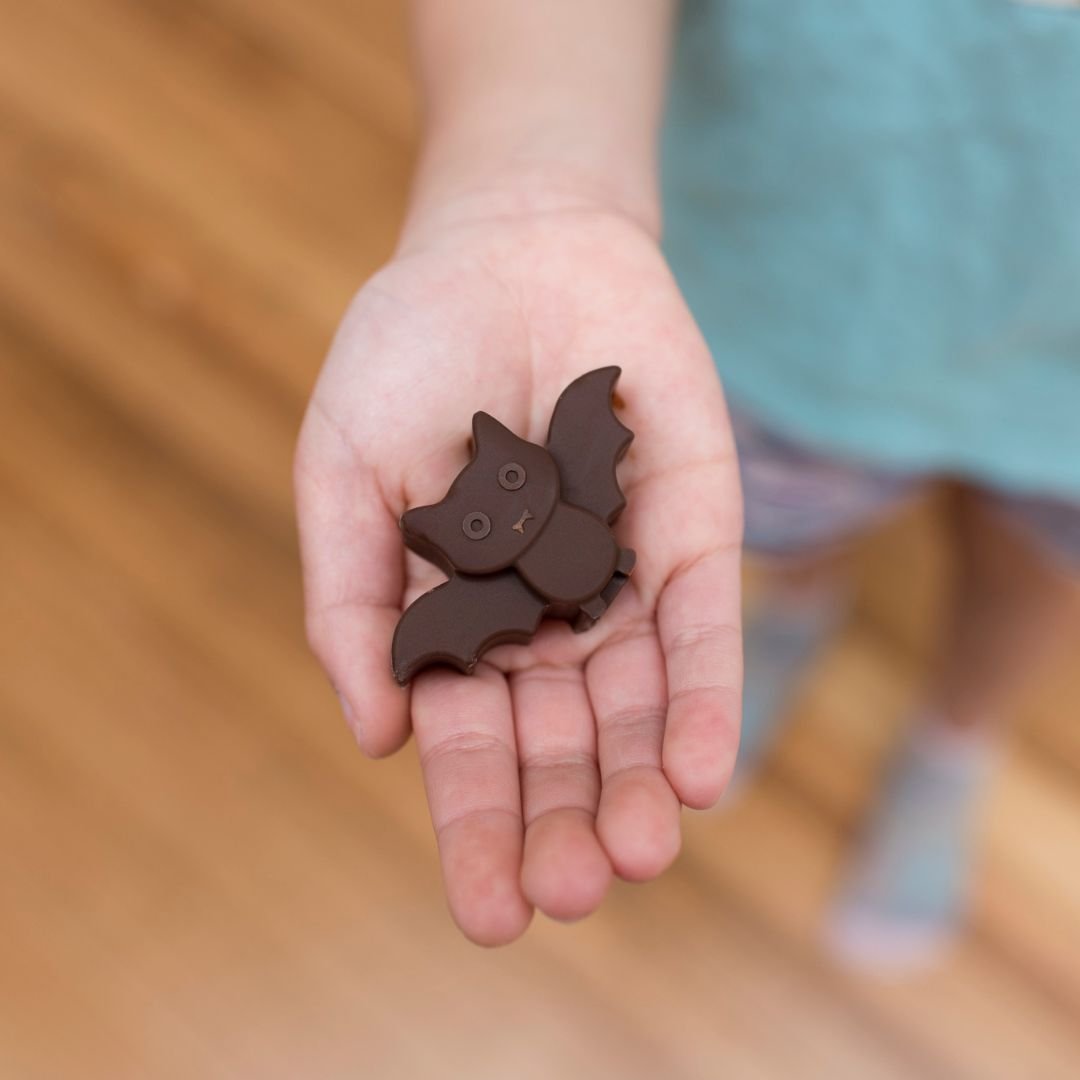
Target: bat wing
pixel 457 621
pixel 587 441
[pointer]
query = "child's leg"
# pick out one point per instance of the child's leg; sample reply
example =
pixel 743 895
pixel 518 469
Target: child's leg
pixel 796 602
pixel 802 512
pixel 1014 592
pixel 905 894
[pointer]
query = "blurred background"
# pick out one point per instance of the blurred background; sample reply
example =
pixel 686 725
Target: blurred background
pixel 201 876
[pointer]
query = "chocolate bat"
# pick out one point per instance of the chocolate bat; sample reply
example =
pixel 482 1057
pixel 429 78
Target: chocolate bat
pixel 523 532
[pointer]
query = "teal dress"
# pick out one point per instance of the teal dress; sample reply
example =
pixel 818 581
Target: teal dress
pixel 873 209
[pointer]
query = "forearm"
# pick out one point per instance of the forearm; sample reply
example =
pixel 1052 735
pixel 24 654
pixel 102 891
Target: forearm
pixel 539 104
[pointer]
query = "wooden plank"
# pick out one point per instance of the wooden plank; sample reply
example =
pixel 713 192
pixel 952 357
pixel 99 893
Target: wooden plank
pixel 206 134
pixel 976 1016
pixel 353 52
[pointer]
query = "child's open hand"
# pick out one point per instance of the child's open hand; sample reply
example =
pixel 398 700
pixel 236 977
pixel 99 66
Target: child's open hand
pixel 563 759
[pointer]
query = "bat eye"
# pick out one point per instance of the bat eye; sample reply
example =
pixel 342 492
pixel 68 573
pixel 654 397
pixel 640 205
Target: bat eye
pixel 511 476
pixel 476 525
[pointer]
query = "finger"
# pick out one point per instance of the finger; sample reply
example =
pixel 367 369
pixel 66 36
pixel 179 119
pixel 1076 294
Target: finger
pixel 699 624
pixel 565 871
pixel 686 523
pixel 638 817
pixel 465 737
pixel 351 554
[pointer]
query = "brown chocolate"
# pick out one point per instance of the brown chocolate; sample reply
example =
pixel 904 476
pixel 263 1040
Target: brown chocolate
pixel 523 532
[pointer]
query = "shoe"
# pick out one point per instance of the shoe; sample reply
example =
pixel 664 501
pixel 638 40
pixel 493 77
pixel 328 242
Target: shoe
pixel 904 896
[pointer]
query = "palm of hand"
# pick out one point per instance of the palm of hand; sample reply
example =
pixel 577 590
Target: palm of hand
pixel 558 761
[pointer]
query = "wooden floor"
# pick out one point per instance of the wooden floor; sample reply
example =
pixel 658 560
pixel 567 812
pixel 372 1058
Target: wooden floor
pixel 201 877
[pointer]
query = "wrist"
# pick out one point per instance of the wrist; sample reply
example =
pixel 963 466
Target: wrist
pixel 467 178
pixel 538 108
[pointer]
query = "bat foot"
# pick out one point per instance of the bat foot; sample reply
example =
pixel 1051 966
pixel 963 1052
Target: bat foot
pixel 589 612
pixel 595 606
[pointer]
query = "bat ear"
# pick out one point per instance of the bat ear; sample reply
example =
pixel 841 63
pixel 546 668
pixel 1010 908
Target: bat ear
pixel 486 428
pixel 417 521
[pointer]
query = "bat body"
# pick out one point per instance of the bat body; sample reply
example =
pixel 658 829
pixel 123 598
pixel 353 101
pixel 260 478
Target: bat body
pixel 523 532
